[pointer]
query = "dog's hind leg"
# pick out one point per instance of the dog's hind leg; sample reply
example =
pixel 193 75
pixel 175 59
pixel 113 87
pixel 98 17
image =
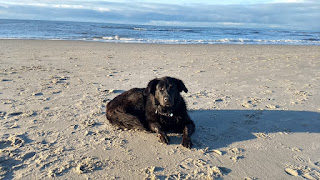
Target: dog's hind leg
pixel 125 120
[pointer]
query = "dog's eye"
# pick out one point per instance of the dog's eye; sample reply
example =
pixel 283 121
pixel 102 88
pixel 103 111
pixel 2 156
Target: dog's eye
pixel 171 87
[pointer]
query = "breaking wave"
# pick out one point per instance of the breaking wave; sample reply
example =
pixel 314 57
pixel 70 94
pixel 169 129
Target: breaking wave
pixel 126 33
pixel 118 39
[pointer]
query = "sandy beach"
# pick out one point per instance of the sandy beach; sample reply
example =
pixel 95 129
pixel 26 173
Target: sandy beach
pixel 256 110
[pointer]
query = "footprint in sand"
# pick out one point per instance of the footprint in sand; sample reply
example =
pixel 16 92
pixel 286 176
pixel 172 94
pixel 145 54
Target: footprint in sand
pixel 59 169
pixel 201 169
pixel 253 118
pixel 88 165
pixel 58 79
pixel 14 114
pixel 252 102
pixel 300 97
pixel 12 158
pixel 237 154
pixel 12 141
pixel 302 171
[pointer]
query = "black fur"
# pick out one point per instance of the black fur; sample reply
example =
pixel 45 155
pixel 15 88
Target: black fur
pixel 157 108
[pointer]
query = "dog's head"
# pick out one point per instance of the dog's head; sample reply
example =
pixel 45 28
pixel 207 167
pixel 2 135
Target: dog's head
pixel 166 91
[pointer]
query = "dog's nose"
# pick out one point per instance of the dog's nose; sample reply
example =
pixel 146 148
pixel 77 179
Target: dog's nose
pixel 166 99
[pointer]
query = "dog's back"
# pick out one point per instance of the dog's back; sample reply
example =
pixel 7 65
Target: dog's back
pixel 127 110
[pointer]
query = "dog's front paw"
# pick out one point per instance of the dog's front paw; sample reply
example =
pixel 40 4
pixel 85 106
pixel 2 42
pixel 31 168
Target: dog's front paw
pixel 163 138
pixel 186 142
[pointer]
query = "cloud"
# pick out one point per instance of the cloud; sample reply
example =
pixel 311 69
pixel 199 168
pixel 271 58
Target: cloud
pixel 288 1
pixel 287 14
pixel 294 1
pixel 54 5
pixel 68 6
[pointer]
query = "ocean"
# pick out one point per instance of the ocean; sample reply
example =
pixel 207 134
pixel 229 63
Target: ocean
pixel 129 33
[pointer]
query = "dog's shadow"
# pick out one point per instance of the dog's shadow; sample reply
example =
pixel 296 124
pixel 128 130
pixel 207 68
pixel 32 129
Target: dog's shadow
pixel 220 128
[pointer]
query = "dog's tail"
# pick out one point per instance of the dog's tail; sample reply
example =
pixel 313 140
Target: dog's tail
pixel 123 120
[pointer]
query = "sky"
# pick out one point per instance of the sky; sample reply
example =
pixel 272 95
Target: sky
pixel 285 14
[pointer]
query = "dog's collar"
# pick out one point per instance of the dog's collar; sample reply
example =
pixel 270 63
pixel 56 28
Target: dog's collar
pixel 163 114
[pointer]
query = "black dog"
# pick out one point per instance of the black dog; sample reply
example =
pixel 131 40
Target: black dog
pixel 158 108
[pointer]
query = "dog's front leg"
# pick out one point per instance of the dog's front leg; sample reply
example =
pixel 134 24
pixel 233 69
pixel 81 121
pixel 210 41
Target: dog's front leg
pixel 155 127
pixel 187 131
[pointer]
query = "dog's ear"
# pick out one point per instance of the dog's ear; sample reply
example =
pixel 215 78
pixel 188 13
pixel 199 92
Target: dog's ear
pixel 151 88
pixel 181 86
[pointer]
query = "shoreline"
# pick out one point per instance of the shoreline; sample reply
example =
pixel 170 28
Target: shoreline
pixel 156 43
pixel 256 110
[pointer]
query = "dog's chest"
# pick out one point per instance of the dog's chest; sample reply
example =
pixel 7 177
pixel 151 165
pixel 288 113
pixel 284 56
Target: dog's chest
pixel 170 123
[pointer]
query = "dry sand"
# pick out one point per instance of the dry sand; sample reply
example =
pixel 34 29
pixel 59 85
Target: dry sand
pixel 256 109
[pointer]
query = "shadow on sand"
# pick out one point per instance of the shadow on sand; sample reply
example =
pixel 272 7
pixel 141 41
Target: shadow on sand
pixel 219 128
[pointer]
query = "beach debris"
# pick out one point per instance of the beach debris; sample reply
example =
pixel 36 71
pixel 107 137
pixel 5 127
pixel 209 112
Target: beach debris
pixel 217 152
pixel 37 94
pixel 292 172
pixel 250 178
pixel 272 106
pixel 58 79
pixel 14 114
pixel 112 91
pixel 199 71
